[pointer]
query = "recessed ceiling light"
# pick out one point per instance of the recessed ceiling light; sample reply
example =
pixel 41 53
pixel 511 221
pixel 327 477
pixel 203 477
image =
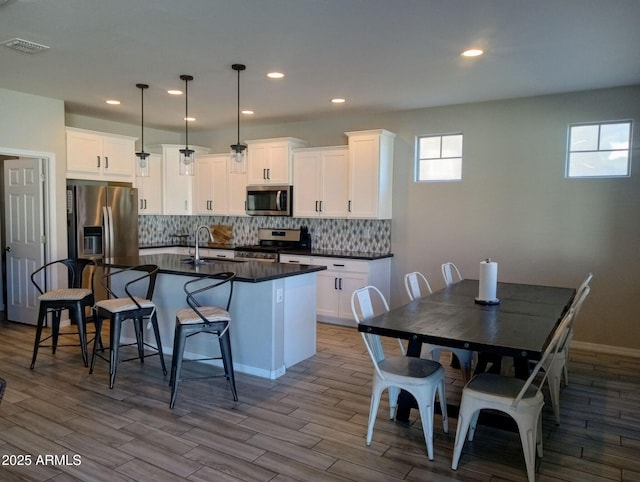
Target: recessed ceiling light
pixel 174 92
pixel 338 101
pixel 248 112
pixel 472 53
pixel 190 119
pixel 112 102
pixel 275 75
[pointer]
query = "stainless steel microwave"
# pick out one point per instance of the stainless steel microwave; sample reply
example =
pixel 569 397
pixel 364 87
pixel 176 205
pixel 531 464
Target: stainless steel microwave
pixel 269 200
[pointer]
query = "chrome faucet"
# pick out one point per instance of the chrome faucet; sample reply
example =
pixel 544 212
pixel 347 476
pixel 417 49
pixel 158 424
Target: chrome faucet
pixel 196 259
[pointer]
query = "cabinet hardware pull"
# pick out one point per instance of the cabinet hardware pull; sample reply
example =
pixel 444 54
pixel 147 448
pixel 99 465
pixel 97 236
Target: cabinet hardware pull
pixel 145 204
pixel 339 265
pixel 320 206
pixel 349 209
pixel 340 284
pixel 335 283
pixel 316 206
pixel 141 204
pixel 264 174
pixel 293 261
pixel 98 160
pixel 106 162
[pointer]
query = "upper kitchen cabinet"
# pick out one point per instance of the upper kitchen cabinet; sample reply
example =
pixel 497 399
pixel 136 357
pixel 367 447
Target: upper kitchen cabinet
pixel 211 195
pixel 321 182
pixel 269 161
pixel 150 187
pixel 370 173
pixel 99 156
pixel 177 190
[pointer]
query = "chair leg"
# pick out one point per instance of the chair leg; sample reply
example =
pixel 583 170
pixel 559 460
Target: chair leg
pixel 114 339
pixel 174 355
pixel 528 428
pixel 78 313
pixel 176 364
pixel 442 397
pixel 55 329
pixel 156 332
pixel 42 317
pixel 464 419
pixel 138 328
pixel 373 410
pixel 97 340
pixel 227 361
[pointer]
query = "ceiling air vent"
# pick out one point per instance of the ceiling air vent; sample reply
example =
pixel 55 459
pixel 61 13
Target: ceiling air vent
pixel 24 46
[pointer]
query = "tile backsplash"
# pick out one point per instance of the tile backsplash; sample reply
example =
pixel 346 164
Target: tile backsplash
pixel 366 235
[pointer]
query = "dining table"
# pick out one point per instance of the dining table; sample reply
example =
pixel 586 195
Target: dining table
pixel 519 324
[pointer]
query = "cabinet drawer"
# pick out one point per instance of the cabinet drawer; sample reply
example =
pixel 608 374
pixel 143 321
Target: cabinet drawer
pixel 288 258
pixel 343 264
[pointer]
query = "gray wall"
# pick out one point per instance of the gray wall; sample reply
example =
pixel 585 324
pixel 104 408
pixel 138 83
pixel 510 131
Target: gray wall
pixel 513 204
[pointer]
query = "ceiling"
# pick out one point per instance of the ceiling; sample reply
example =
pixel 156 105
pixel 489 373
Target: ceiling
pixel 380 55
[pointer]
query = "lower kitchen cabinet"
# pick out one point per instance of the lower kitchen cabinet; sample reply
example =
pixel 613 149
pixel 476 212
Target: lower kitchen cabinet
pixel 342 277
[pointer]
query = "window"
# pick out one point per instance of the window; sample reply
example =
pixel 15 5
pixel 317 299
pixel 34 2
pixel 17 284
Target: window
pixel 599 150
pixel 439 158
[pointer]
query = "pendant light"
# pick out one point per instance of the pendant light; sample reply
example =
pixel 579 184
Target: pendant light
pixel 238 151
pixel 142 164
pixel 187 160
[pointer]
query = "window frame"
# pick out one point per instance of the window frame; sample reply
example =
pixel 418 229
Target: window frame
pixel 418 158
pixel 599 125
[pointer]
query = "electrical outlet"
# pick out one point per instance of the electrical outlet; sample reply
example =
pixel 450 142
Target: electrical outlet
pixel 279 295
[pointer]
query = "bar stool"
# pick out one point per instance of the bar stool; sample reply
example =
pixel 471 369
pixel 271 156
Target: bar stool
pixel 210 319
pixel 74 298
pixel 127 307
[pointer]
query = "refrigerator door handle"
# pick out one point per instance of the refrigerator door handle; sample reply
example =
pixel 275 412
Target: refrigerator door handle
pixel 110 233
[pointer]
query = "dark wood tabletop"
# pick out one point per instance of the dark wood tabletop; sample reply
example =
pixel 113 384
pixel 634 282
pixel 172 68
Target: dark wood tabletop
pixel 520 325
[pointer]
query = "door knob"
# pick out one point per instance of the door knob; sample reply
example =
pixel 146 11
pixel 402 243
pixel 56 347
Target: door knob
pixel 7 249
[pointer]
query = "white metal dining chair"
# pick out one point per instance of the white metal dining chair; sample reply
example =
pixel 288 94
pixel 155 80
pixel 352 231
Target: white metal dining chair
pixel 556 367
pixel 450 273
pixel 420 377
pixel 581 288
pixel 418 286
pixel 520 399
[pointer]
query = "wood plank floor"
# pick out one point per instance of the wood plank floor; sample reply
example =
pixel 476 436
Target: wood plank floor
pixel 308 425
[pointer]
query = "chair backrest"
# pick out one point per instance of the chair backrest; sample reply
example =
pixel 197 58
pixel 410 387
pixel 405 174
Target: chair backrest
pixel 450 273
pixel 559 336
pixel 75 268
pixel 416 285
pixel 363 301
pixel 195 287
pixel 150 273
pixel 581 288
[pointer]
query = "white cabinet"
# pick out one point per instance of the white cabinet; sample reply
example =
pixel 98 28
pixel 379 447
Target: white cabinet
pixel 211 188
pixel 341 278
pixel 177 190
pixel 150 187
pixel 99 156
pixel 370 173
pixel 218 191
pixel 321 182
pixel 269 161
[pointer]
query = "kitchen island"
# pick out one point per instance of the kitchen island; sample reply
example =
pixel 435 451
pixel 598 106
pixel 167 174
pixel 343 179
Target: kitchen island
pixel 273 310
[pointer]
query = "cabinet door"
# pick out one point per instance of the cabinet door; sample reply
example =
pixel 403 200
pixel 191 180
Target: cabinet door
pixel 334 184
pixel 150 187
pixel 363 176
pixel 257 163
pixel 84 152
pixel 203 185
pixel 278 169
pixel 306 172
pixel 237 183
pixel 119 157
pixel 220 204
pixel 177 188
pixel 348 283
pixel 328 293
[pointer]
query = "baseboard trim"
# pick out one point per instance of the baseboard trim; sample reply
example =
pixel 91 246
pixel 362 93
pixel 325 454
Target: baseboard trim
pixel 611 350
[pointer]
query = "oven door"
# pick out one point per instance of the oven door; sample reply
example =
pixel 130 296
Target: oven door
pixel 269 200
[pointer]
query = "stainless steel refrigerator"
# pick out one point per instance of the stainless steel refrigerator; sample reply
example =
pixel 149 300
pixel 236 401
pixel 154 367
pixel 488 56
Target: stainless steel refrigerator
pixel 102 222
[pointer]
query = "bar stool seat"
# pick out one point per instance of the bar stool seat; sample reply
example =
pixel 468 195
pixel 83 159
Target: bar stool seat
pixel 129 307
pixel 73 298
pixel 209 319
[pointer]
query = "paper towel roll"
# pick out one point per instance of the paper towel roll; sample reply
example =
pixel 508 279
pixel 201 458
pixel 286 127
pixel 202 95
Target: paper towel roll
pixel 488 281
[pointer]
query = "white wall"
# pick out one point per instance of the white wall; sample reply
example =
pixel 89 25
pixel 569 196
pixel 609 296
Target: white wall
pixel 513 204
pixel 34 124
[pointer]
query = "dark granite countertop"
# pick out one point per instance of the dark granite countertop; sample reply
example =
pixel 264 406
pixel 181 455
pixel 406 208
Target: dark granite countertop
pixel 328 253
pixel 246 271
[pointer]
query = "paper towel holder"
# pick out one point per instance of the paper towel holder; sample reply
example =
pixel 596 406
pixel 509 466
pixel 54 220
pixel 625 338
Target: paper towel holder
pixel 481 301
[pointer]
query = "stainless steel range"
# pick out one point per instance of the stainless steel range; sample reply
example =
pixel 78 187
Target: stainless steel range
pixel 271 242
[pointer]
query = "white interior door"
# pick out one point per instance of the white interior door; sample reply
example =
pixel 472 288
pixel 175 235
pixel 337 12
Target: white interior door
pixel 24 228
